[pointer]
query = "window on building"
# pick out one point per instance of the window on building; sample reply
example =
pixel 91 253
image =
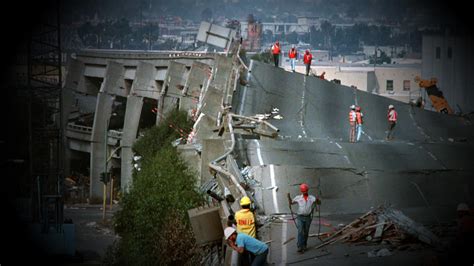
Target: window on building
pixel 389 85
pixel 406 85
pixel 450 52
pixel 438 52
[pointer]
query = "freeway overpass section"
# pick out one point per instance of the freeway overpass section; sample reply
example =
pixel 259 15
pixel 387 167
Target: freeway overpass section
pixel 425 171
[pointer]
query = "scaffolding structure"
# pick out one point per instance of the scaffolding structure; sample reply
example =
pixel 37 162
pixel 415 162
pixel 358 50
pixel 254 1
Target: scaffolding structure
pixel 45 122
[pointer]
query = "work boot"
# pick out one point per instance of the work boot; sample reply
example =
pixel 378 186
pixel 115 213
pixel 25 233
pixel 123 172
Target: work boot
pixel 300 250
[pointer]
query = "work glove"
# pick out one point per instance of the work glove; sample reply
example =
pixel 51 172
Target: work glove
pixel 318 201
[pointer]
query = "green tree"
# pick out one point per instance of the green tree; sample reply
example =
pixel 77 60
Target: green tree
pixel 152 223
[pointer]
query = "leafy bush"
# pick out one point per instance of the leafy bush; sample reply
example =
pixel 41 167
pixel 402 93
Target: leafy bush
pixel 153 222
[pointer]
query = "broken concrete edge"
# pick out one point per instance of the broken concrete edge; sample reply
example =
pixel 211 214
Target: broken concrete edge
pixel 226 115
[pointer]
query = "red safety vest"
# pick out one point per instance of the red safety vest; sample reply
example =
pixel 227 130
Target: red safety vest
pixel 352 116
pixel 276 49
pixel 307 58
pixel 359 116
pixel 392 116
pixel 292 53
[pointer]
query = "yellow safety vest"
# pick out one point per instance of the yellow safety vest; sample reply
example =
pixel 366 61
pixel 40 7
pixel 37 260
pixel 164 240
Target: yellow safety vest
pixel 245 222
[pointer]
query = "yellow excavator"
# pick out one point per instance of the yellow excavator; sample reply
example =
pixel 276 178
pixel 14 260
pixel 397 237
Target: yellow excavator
pixel 435 94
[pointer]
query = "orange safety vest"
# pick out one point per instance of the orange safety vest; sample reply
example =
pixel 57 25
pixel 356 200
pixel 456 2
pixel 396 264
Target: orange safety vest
pixel 307 58
pixel 392 116
pixel 359 116
pixel 293 53
pixel 276 49
pixel 352 116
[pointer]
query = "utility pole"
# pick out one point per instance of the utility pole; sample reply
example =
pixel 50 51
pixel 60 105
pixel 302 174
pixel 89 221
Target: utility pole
pixel 106 138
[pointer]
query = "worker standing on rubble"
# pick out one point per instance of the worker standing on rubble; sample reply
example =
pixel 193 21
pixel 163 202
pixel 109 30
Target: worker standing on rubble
pixel 307 61
pixel 293 55
pixel 306 205
pixel 359 121
pixel 276 50
pixel 241 242
pixel 392 121
pixel 352 123
pixel 245 220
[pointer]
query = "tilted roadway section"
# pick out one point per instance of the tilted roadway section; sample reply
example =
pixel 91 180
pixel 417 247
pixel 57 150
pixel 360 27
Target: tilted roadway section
pixel 425 171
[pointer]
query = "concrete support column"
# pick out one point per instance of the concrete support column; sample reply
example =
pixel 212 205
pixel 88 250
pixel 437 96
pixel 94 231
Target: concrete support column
pixel 130 128
pixel 144 86
pixel 173 85
pixel 75 73
pixel 112 85
pixel 98 148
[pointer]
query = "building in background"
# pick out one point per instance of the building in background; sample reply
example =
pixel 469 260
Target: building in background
pixel 395 81
pixel 253 34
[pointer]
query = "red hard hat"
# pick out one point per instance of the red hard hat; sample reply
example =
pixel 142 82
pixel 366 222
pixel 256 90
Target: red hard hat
pixel 304 188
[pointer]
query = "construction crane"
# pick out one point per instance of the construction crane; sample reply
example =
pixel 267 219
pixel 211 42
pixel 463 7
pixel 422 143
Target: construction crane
pixel 436 95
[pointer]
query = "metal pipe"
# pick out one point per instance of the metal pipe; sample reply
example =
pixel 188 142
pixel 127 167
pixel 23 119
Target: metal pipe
pixel 232 137
pixel 231 176
pixel 258 121
pixel 240 59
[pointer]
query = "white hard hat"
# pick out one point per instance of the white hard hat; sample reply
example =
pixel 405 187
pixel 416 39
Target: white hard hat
pixel 353 107
pixel 390 107
pixel 228 232
pixel 462 207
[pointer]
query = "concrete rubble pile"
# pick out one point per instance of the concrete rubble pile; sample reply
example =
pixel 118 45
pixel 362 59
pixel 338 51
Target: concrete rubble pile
pixel 384 225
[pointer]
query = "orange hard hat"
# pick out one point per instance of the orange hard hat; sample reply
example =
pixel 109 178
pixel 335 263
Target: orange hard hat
pixel 304 188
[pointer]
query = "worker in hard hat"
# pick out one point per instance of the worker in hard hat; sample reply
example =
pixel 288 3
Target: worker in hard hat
pixel 306 205
pixel 392 116
pixel 359 121
pixel 245 221
pixel 245 218
pixel 352 123
pixel 242 242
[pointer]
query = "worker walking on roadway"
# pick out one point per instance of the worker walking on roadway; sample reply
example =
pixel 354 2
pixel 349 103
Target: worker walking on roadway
pixel 241 242
pixel 276 50
pixel 359 121
pixel 352 123
pixel 306 205
pixel 392 121
pixel 307 61
pixel 293 55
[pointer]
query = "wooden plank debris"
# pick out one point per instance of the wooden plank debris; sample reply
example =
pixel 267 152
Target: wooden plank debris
pixel 383 223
